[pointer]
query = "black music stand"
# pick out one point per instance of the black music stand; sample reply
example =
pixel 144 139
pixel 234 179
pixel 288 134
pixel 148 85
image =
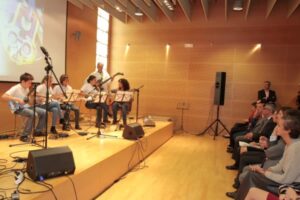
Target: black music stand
pixel 217 121
pixel 137 90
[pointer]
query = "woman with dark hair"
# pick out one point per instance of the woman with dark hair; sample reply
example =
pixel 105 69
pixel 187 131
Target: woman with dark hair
pixel 124 106
pixel 91 90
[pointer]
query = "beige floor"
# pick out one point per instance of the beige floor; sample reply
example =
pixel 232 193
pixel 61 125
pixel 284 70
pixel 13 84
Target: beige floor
pixel 187 167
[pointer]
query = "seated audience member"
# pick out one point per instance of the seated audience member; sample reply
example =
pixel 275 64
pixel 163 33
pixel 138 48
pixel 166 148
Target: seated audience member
pixel 243 126
pixel 16 96
pixel 67 106
pixel 287 170
pixel 53 105
pixel 270 155
pixel 253 125
pixel 266 128
pixel 90 90
pixel 124 106
pixel 266 95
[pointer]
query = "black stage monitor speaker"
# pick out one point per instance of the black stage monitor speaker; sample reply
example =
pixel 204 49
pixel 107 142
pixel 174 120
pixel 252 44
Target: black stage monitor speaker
pixel 220 88
pixel 133 131
pixel 48 163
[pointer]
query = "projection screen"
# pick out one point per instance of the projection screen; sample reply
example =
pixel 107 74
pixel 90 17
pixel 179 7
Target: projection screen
pixel 26 25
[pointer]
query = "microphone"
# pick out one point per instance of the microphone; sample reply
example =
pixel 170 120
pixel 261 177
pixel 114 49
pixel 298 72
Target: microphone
pixel 45 52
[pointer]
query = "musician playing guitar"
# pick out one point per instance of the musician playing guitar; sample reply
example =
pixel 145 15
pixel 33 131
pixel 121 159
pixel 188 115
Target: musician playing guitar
pixel 67 106
pixel 91 90
pixel 16 96
pixel 54 106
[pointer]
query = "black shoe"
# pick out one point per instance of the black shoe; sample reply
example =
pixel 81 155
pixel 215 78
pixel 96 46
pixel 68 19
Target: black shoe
pixel 77 127
pixel 66 127
pixel 232 167
pixel 38 133
pixel 62 121
pixel 24 138
pixel 231 194
pixel 236 185
pixel 53 130
pixel 229 150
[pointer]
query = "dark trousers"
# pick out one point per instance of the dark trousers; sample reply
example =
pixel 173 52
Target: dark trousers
pixel 67 107
pixel 99 108
pixel 236 149
pixel 254 179
pixel 120 106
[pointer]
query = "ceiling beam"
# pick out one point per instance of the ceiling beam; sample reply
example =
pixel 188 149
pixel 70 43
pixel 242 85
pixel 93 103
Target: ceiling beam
pixel 148 2
pixel 187 8
pixel 150 11
pixel 76 3
pixel 270 6
pixel 205 5
pixel 112 11
pixel 130 9
pixel 247 9
pixel 169 14
pixel 87 3
pixel 292 6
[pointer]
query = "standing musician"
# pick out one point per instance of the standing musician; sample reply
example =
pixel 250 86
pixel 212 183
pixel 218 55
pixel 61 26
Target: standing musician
pixel 124 106
pixel 53 106
pixel 67 106
pixel 16 96
pixel 101 75
pixel 91 91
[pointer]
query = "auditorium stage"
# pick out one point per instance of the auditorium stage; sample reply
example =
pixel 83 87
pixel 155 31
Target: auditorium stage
pixel 99 161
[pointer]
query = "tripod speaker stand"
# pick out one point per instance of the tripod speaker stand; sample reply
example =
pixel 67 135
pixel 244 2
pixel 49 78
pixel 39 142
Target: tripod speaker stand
pixel 218 100
pixel 218 122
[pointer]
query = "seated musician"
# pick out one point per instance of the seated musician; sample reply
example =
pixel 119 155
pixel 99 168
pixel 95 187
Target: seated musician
pixel 16 96
pixel 124 106
pixel 67 106
pixel 90 90
pixel 53 106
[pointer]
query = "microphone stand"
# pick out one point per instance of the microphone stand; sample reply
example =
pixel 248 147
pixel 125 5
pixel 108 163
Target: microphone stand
pixel 49 68
pixel 137 90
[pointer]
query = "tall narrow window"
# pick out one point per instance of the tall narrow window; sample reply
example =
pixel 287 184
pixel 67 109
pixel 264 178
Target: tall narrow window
pixel 102 37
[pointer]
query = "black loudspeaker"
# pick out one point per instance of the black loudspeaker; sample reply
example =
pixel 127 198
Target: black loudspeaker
pixel 48 163
pixel 220 88
pixel 133 131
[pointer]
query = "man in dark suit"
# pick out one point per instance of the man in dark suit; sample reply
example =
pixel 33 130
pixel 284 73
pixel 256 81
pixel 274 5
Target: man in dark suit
pixel 266 95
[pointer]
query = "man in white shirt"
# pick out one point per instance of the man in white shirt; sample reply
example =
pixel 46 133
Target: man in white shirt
pixel 101 75
pixel 90 89
pixel 67 106
pixel 53 106
pixel 16 96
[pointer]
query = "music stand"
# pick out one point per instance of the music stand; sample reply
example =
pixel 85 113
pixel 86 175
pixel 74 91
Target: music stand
pixel 182 106
pixel 217 121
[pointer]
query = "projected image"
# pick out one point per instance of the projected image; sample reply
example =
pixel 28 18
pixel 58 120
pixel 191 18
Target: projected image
pixel 26 25
pixel 22 31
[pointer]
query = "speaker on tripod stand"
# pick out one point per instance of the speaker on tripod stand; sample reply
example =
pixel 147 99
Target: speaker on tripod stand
pixel 219 100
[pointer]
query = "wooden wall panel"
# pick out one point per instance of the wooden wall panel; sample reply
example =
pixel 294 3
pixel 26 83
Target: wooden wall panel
pixel 188 74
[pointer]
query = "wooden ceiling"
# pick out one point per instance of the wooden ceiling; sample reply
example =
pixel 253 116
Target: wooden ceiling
pixel 155 10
